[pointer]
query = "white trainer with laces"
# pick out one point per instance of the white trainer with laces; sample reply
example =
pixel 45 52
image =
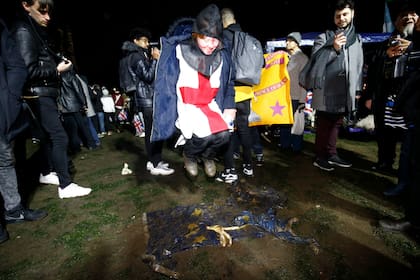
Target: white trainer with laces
pixel 161 169
pixel 49 179
pixel 149 165
pixel 73 190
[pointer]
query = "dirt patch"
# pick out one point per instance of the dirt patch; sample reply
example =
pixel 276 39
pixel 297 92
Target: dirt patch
pixel 102 236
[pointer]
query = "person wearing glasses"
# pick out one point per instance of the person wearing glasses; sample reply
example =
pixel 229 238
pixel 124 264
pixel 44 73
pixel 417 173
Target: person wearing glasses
pixel 42 88
pixel 194 94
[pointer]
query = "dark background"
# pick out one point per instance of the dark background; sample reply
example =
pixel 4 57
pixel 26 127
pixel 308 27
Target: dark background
pixel 98 28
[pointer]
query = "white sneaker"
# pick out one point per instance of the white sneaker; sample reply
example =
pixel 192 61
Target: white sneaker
pixel 49 179
pixel 149 165
pixel 73 190
pixel 161 169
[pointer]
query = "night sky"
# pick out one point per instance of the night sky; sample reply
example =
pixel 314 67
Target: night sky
pixel 99 28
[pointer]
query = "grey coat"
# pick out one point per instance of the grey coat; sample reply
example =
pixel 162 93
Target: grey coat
pixel 342 78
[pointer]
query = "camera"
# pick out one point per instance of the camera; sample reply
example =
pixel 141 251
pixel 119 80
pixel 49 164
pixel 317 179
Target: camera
pixel 394 43
pixel 154 45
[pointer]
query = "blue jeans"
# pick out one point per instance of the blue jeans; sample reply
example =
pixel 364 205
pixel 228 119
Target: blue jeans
pixel 8 180
pixel 93 131
pixel 101 121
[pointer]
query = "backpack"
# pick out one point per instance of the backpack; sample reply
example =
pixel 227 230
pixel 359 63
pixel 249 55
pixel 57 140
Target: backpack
pixel 128 79
pixel 247 58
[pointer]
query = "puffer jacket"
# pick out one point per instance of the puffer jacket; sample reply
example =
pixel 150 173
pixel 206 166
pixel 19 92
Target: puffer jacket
pixel 30 38
pixel 144 68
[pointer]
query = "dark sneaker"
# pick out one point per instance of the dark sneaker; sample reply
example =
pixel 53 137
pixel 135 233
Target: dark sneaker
pixel 383 168
pixel 228 176
pixel 247 169
pixel 323 164
pixel 22 215
pixel 336 160
pixel 4 235
pixel 259 159
pixel 394 191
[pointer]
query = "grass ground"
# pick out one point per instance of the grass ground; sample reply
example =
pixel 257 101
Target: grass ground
pixel 103 235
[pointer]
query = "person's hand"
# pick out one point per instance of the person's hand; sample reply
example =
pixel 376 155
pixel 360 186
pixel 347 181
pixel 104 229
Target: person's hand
pixel 399 49
pixel 155 53
pixel 64 66
pixel 229 114
pixel 340 41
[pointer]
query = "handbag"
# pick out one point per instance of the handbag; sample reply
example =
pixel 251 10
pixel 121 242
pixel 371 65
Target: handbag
pixel 299 122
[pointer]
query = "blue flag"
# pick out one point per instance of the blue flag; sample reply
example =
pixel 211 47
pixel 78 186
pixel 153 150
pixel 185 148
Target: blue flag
pixel 388 25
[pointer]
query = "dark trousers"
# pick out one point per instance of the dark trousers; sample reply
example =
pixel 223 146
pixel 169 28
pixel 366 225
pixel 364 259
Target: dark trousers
pixel 243 133
pixel 404 169
pixel 78 131
pixel 207 147
pixel 153 149
pixel 412 203
pixel 387 139
pixel 327 128
pixel 54 146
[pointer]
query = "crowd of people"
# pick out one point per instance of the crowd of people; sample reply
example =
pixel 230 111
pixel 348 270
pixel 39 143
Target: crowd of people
pixel 184 91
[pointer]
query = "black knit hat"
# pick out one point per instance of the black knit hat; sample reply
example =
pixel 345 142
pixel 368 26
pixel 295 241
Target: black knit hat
pixel 138 32
pixel 209 23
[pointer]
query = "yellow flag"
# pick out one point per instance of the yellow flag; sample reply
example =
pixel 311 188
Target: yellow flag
pixel 272 103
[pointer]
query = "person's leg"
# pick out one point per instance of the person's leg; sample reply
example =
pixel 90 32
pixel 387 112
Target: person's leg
pixel 101 122
pixel 321 136
pixel 70 126
pixel 84 131
pixel 148 119
pixel 14 210
pixel 404 166
pixel 57 136
pixel 8 180
pixel 153 149
pixel 335 123
pixel 243 130
pixel 92 130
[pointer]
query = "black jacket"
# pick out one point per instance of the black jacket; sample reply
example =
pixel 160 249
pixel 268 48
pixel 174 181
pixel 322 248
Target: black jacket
pixel 40 61
pixel 144 68
pixel 13 74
